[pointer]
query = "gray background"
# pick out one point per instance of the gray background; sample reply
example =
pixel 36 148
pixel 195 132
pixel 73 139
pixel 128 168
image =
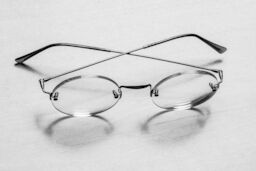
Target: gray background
pixel 221 137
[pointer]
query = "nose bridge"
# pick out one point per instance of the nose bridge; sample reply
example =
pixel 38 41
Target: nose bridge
pixel 135 86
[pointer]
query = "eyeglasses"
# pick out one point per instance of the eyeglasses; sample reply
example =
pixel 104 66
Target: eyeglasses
pixel 89 95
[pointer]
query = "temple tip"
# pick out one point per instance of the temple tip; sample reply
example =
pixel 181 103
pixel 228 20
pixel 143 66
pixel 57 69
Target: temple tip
pixel 223 49
pixel 19 60
pixel 220 49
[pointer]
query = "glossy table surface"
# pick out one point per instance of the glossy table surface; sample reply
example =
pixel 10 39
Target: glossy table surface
pixel 134 134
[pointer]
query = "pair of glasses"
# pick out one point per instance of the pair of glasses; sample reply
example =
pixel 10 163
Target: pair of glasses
pixel 85 95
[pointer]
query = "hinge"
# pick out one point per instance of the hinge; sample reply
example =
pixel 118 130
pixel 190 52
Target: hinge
pixel 41 82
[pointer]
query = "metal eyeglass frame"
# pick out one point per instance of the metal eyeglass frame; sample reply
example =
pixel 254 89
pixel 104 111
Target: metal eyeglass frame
pixel 217 74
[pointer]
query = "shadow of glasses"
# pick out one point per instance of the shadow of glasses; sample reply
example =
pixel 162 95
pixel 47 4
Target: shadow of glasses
pixel 75 131
pixel 173 126
pixel 30 69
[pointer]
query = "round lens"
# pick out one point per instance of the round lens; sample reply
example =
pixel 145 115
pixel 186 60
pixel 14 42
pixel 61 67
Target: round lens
pixel 184 90
pixel 81 96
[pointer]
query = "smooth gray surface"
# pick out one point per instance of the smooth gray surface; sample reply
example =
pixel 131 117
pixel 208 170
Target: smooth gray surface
pixel 35 137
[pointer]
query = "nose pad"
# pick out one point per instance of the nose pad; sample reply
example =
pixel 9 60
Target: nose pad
pixel 116 95
pixel 55 96
pixel 155 92
pixel 214 86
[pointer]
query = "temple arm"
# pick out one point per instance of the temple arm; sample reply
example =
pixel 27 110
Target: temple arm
pixel 31 54
pixel 215 46
pixel 125 53
pixel 129 53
